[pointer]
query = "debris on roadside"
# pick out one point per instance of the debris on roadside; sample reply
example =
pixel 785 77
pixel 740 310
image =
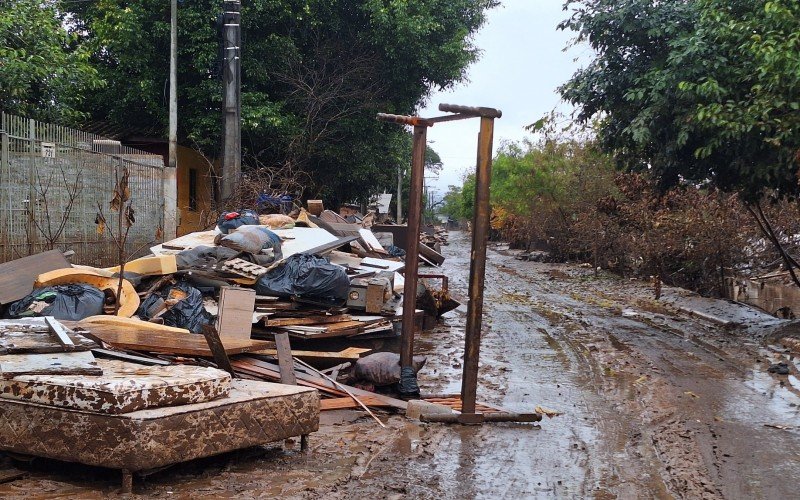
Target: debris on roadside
pixel 70 354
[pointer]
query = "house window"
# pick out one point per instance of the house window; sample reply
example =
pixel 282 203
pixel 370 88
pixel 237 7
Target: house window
pixel 193 189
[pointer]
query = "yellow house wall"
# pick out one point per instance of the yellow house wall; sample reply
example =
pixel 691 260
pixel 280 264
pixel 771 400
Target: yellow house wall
pixel 194 220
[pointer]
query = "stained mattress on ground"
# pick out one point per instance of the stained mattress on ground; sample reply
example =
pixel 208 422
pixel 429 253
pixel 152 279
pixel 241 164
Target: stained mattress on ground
pixel 253 414
pixel 123 387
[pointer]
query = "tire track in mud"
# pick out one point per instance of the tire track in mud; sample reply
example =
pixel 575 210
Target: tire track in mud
pixel 685 390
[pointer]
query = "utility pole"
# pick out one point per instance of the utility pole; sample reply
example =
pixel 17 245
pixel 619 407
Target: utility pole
pixel 170 181
pixel 232 107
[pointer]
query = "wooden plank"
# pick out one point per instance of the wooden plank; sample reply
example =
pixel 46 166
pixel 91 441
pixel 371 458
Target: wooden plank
pixel 60 363
pixel 217 350
pixel 312 381
pixel 59 331
pixel 187 344
pixel 331 216
pixel 430 254
pixel 285 361
pixel 454 402
pixel 309 320
pixel 235 316
pixel 17 276
pixel 274 375
pixel 333 245
pixel 351 353
pixel 349 403
pixel 124 356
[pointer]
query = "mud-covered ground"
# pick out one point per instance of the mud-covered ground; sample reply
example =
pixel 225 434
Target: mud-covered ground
pixel 655 403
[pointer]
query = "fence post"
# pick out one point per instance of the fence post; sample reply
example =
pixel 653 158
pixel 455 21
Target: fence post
pixel 29 230
pixel 5 185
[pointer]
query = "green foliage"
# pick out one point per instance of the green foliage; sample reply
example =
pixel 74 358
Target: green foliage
pixel 44 70
pixel 458 201
pixel 544 184
pixel 314 73
pixel 702 91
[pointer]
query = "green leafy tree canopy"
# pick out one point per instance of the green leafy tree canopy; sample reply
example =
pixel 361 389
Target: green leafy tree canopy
pixel 44 71
pixel 701 91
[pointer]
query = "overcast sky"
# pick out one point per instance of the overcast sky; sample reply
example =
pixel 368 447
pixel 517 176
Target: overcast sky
pixel 521 65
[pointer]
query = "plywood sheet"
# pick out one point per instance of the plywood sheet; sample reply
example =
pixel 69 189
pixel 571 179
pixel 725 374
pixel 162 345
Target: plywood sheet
pixel 303 239
pixel 235 319
pixel 17 276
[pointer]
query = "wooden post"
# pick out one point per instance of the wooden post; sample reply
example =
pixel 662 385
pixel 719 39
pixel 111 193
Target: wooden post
pixel 285 361
pixel 477 270
pixel 412 250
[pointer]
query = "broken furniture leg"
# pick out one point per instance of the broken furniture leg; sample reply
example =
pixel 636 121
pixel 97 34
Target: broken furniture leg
pixel 127 481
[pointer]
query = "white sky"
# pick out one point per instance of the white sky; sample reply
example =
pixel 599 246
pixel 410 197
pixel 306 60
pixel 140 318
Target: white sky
pixel 521 66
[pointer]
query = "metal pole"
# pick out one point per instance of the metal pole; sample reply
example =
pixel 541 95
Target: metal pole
pixel 31 186
pixel 477 271
pixel 408 382
pixel 399 194
pixel 5 183
pixel 231 156
pixel 170 179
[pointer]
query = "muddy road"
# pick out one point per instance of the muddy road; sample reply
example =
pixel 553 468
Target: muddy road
pixel 656 403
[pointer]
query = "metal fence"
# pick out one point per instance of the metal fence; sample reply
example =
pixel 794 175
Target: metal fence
pixel 53 182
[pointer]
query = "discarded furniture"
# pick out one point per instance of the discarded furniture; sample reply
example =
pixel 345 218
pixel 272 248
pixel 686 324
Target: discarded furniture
pixel 253 414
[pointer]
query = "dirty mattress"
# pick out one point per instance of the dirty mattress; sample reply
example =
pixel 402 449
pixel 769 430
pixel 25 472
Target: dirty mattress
pixel 252 414
pixel 123 387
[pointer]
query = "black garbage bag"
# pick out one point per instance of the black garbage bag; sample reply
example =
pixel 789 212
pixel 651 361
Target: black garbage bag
pixel 228 221
pixel 305 275
pixel 204 256
pixel 396 251
pixel 70 302
pixel 408 388
pixel 187 313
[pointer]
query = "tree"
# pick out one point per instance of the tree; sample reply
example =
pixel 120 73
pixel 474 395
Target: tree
pixel 314 73
pixel 701 91
pixel 44 70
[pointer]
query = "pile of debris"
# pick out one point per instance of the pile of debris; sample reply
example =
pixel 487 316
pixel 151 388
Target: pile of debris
pixel 198 324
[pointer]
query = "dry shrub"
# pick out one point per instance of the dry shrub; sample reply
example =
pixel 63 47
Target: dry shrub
pixel 689 236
